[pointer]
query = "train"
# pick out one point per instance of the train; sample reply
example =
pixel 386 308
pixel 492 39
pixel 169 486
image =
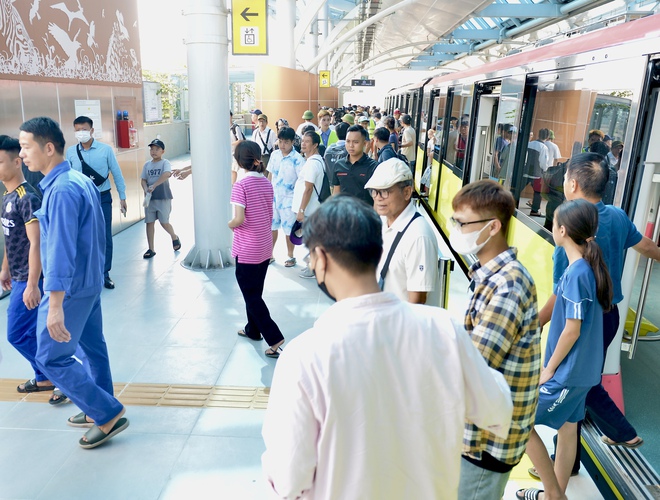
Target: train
pixel 607 79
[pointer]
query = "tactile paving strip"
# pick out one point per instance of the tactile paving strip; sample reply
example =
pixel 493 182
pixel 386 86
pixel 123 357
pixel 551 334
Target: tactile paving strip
pixel 191 396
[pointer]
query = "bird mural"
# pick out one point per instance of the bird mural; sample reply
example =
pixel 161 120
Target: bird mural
pixel 91 43
pixel 71 15
pixel 34 11
pixel 70 46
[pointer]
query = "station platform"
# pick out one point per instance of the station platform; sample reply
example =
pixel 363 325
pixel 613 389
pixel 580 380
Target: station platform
pixel 195 392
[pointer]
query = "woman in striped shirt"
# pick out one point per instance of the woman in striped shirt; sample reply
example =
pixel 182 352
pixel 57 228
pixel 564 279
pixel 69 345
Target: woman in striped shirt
pixel 252 198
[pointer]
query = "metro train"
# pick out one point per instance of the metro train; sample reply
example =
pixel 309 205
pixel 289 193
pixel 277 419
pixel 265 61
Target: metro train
pixel 608 80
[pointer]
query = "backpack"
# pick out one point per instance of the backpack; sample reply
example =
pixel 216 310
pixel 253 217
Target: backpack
pixel 402 157
pixel 553 177
pixel 325 186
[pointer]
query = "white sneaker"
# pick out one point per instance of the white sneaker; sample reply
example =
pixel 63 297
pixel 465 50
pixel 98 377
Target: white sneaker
pixel 307 273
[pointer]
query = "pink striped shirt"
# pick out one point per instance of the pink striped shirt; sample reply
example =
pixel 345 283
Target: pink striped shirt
pixel 253 240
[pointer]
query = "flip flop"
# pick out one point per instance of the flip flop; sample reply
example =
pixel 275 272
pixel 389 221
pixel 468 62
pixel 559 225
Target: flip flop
pixel 638 442
pixel 534 473
pixel 273 353
pixel 58 398
pixel 176 244
pixel 241 333
pixel 529 494
pixel 149 254
pixel 31 386
pixel 96 437
pixel 79 420
pixel 290 262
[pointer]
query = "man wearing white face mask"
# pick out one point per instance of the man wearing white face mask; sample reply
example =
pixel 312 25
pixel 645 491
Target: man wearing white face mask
pixel 97 160
pixel 502 321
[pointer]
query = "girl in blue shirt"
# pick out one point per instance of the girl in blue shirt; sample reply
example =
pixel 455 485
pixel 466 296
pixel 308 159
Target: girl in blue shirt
pixel 574 350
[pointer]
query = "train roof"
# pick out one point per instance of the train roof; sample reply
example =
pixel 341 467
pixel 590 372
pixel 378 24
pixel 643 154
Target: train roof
pixel 648 27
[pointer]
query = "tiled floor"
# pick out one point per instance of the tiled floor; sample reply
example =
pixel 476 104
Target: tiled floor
pixel 168 325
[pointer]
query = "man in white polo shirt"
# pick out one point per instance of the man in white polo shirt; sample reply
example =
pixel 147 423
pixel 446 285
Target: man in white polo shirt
pixel 408 267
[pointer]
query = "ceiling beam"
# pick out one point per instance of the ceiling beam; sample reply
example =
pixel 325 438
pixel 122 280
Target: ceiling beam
pixel 522 10
pixel 475 34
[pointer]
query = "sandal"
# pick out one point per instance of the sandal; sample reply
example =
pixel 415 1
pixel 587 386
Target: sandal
pixel 635 444
pixel 528 494
pixel 149 254
pixel 32 386
pixel 271 261
pixel 96 437
pixel 58 398
pixel 241 333
pixel 176 244
pixel 273 353
pixel 290 262
pixel 79 420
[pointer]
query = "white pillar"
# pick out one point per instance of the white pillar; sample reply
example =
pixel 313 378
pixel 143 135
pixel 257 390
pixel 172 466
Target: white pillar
pixel 281 45
pixel 325 31
pixel 208 84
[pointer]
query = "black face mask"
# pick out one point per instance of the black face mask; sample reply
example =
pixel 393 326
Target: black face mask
pixel 324 288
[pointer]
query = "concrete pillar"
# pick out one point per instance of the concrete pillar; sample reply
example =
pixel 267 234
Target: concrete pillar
pixel 208 84
pixel 312 40
pixel 281 48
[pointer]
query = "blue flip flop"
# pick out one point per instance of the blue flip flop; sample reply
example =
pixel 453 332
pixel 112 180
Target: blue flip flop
pixel 96 437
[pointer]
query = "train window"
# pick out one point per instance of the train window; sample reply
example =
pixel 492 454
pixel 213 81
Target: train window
pixel 459 125
pixel 562 109
pixel 488 134
pixel 439 106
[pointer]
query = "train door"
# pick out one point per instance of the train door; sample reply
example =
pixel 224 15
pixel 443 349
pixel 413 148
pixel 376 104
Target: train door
pixel 486 133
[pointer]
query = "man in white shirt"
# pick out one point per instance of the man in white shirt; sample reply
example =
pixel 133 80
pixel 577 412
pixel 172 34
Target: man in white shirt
pixel 553 150
pixel 411 272
pixel 349 414
pixel 265 137
pixel 408 142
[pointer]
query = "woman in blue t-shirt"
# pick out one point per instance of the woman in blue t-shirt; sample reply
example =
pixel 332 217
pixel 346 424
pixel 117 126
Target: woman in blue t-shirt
pixel 574 350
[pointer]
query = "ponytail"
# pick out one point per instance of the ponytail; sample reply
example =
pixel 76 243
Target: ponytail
pixel 580 218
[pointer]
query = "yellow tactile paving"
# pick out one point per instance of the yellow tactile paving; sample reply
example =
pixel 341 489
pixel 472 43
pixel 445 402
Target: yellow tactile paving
pixel 195 396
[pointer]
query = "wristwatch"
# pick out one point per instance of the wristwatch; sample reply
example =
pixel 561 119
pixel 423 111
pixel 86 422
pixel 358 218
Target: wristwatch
pixel 302 210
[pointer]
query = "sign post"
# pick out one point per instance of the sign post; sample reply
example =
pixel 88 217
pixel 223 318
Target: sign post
pixel 324 79
pixel 249 27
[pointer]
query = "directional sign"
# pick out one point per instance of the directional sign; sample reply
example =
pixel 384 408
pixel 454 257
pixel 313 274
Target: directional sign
pixel 363 83
pixel 249 32
pixel 324 79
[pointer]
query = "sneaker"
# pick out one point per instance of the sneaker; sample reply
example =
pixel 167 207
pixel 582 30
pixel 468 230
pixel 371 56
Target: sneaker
pixel 307 273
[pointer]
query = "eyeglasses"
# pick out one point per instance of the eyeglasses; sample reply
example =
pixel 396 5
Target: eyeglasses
pixel 456 223
pixel 384 193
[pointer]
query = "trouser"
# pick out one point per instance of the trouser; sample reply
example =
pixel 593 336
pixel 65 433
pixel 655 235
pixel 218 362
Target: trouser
pixel 251 278
pixel 22 327
pixel 91 390
pixel 536 198
pixel 106 206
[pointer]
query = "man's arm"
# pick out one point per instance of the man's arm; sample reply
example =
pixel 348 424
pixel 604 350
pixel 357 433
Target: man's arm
pixel 118 177
pixel 648 249
pixel 307 195
pixel 55 318
pixel 163 177
pixel 546 311
pixel 5 276
pixel 417 297
pixel 336 189
pixel 32 294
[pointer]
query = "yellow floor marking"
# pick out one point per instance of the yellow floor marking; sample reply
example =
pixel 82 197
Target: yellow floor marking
pixel 191 396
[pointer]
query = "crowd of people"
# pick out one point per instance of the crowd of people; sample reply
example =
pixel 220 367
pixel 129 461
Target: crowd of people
pixel 384 397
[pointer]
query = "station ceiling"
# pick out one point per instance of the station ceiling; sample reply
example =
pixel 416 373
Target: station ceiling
pixel 370 36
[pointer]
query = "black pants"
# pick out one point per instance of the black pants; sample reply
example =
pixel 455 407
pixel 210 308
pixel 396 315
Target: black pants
pixel 250 278
pixel 106 206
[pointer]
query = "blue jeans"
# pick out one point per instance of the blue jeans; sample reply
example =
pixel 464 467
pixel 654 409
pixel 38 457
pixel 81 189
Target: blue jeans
pixel 106 206
pixel 481 484
pixel 22 327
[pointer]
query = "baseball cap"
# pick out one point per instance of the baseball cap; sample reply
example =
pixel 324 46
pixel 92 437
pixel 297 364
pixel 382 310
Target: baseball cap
pixel 607 138
pixel 348 119
pixel 388 173
pixel 157 142
pixel 363 119
pixel 256 111
pixel 296 233
pixel 397 111
pixel 262 117
pixel 308 115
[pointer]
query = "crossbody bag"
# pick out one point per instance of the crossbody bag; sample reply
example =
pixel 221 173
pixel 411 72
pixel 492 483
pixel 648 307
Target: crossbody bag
pixel 93 175
pixel 386 266
pixel 266 150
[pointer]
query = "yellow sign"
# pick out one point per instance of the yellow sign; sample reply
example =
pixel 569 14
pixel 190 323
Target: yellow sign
pixel 249 32
pixel 324 79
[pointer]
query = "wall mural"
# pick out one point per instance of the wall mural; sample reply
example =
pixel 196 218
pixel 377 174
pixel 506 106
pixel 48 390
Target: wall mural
pixel 55 39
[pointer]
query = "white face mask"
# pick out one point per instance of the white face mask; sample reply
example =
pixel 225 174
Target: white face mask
pixel 83 136
pixel 466 244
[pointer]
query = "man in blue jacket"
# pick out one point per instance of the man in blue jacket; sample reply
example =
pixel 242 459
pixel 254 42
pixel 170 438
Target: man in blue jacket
pixel 72 257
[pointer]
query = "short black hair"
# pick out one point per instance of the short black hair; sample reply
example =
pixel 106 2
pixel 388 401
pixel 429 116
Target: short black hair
pixel 390 122
pixel 349 230
pixel 362 130
pixel 591 172
pixel 81 120
pixel 316 139
pixel 382 134
pixel 341 129
pixel 308 128
pixel 10 145
pixel 246 153
pixel 406 119
pixel 599 147
pixel 286 134
pixel 45 130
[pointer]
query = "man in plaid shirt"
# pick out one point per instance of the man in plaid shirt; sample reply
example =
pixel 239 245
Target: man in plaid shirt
pixel 502 321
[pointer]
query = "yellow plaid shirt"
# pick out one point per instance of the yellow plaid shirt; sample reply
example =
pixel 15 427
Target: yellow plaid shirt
pixel 503 323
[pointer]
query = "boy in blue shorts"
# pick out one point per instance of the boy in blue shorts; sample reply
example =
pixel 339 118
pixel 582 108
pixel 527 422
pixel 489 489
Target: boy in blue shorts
pixel 21 266
pixel 158 196
pixel 574 350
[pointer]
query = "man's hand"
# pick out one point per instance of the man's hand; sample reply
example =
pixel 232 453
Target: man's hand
pixel 5 279
pixel 300 216
pixel 123 206
pixel 55 324
pixel 546 375
pixel 31 296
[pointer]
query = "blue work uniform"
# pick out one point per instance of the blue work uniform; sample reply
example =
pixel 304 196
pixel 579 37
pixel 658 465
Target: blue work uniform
pixel 101 158
pixel 72 256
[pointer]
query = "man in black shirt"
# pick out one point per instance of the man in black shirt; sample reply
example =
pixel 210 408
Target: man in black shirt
pixel 353 172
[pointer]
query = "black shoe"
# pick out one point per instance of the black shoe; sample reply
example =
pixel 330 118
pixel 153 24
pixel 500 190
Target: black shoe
pixel 108 283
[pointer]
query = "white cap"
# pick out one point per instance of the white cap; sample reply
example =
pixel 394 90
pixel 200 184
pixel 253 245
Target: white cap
pixel 363 119
pixel 389 173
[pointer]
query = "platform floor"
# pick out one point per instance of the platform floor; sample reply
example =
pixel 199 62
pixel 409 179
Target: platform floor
pixel 177 361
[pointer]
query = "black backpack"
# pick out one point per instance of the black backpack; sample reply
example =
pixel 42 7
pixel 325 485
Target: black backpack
pixel 325 186
pixel 403 158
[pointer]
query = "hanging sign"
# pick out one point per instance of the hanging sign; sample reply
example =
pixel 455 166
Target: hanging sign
pixel 249 32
